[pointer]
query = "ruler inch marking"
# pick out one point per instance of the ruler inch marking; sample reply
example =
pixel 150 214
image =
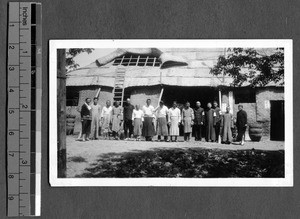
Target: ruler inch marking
pixel 24 52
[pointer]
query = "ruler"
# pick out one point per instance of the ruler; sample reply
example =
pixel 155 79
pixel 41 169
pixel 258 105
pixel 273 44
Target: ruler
pixel 24 109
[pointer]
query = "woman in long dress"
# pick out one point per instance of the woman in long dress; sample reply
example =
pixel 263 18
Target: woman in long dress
pixel 162 125
pixel 148 127
pixel 116 120
pixel 174 121
pixel 226 125
pixel 137 119
pixel 187 120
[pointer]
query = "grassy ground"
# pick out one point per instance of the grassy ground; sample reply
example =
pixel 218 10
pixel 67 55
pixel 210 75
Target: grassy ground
pixel 104 158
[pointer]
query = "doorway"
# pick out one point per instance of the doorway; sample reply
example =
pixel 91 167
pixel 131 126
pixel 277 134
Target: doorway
pixel 190 94
pixel 277 120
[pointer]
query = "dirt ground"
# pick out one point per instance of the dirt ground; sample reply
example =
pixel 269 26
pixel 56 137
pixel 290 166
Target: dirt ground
pixel 81 155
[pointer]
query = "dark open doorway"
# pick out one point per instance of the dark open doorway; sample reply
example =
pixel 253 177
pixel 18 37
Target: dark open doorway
pixel 191 94
pixel 277 120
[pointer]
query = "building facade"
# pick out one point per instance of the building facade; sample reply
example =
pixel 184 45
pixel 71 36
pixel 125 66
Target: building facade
pixel 174 74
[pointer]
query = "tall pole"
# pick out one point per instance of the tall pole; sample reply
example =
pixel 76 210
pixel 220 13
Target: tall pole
pixel 61 113
pixel 223 82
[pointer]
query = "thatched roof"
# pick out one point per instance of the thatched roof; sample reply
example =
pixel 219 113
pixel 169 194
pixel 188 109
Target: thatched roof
pixel 144 76
pixel 175 70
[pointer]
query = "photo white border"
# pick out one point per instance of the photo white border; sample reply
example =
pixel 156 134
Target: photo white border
pixel 287 181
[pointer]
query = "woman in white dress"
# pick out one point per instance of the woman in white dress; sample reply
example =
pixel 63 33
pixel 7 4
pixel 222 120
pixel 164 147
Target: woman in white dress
pixel 187 120
pixel 106 119
pixel 174 121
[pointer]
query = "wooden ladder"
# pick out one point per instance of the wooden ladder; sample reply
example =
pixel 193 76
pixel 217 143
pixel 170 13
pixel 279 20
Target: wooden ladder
pixel 119 85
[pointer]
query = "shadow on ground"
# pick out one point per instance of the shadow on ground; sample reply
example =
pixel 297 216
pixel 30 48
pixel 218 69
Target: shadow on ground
pixel 190 162
pixel 76 159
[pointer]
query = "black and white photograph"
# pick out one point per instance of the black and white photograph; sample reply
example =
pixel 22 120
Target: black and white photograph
pixel 171 113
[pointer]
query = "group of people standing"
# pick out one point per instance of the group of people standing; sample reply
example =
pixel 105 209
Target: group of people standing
pixel 133 121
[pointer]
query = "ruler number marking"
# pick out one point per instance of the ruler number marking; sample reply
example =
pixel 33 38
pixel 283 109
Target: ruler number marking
pixel 11 68
pixel 21 49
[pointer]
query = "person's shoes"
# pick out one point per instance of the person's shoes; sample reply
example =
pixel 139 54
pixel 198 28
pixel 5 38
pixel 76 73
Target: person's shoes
pixel 242 143
pixel 87 139
pixel 83 140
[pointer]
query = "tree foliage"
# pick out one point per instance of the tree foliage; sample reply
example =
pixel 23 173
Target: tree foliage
pixel 252 66
pixel 71 53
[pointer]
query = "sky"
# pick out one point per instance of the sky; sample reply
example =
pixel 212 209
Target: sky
pixel 84 59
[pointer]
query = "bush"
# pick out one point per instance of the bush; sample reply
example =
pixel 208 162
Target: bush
pixel 190 163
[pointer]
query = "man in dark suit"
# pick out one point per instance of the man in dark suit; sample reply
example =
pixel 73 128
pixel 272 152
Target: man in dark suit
pixel 198 121
pixel 241 124
pixel 127 114
pixel 217 120
pixel 86 119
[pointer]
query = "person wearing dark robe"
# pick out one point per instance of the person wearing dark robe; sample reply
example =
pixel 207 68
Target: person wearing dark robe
pixel 198 121
pixel 217 120
pixel 128 127
pixel 241 124
pixel 86 119
pixel 148 125
pixel 209 119
pixel 226 126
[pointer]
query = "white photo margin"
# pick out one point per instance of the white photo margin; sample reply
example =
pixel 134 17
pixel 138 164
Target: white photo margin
pixel 287 181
